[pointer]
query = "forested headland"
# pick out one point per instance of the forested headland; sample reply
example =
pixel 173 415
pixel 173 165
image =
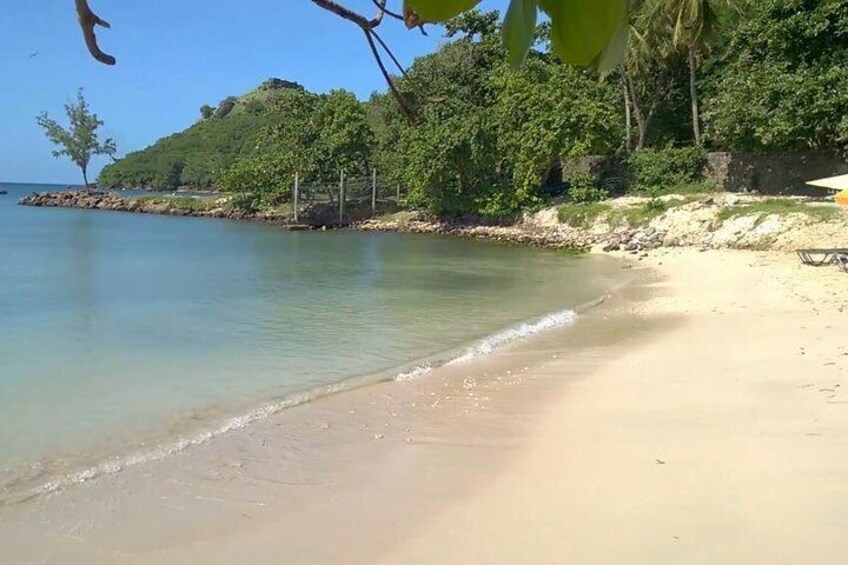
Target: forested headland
pixel 477 137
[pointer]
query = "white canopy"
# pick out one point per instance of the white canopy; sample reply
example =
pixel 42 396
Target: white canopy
pixel 833 183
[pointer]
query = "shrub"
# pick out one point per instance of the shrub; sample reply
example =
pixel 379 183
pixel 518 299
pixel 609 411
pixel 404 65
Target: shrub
pixel 665 169
pixel 582 188
pixel 247 201
pixel 644 213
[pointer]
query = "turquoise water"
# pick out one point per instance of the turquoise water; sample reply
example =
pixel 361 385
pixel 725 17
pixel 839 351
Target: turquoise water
pixel 119 330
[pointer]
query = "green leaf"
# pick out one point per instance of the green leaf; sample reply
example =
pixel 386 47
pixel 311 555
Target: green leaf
pixel 519 26
pixel 439 10
pixel 582 29
pixel 615 51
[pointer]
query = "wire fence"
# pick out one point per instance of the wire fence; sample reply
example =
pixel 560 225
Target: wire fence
pixel 351 199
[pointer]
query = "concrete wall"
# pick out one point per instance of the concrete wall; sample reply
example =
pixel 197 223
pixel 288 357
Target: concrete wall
pixel 609 173
pixel 774 172
pixel 765 173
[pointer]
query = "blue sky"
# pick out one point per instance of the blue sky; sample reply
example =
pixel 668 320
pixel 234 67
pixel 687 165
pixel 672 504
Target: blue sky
pixel 172 58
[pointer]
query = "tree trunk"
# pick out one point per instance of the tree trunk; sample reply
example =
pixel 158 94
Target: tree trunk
pixel 641 120
pixel 85 178
pixel 693 93
pixel 628 122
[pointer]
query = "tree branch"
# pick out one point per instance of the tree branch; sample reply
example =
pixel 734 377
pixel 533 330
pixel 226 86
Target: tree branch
pixel 389 52
pixel 381 5
pixel 368 28
pixel 88 20
pixel 395 92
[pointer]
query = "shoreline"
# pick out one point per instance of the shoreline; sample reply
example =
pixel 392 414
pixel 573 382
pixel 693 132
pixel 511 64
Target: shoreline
pixel 331 446
pixel 112 201
pixel 706 221
pixel 203 430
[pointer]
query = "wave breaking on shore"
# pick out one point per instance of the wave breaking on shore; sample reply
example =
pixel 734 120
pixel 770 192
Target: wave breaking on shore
pixel 20 487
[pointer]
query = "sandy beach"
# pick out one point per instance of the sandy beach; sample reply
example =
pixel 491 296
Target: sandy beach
pixel 724 440
pixel 700 416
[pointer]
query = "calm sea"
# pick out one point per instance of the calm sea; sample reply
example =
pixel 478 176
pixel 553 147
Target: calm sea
pixel 118 329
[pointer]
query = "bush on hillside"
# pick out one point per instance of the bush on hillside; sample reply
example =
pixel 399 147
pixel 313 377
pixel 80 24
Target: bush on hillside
pixel 662 170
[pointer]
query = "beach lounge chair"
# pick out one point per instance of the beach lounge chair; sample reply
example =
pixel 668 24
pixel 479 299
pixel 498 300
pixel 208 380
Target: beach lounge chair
pixel 820 257
pixel 842 261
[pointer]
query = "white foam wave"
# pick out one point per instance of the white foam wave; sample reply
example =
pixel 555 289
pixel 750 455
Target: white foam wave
pixel 488 345
pixel 415 372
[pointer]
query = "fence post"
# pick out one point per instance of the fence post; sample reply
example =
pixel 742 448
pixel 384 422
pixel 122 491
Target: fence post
pixel 374 192
pixel 295 195
pixel 341 198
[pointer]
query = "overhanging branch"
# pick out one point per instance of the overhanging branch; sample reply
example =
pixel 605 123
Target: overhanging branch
pixel 88 20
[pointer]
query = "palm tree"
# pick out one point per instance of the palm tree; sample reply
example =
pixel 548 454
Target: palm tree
pixel 648 72
pixel 692 25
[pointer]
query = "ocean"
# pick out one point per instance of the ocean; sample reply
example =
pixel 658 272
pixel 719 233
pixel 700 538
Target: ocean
pixel 126 338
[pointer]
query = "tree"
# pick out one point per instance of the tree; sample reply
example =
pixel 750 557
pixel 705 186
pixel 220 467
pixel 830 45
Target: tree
pixel 549 114
pixel 489 136
pixel 649 72
pixel 206 111
pixel 80 141
pixel 473 23
pixel 315 136
pixel 783 84
pixel 692 25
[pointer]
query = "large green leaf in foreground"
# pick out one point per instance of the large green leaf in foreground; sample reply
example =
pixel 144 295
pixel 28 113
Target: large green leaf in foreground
pixel 582 29
pixel 519 29
pixel 583 32
pixel 439 10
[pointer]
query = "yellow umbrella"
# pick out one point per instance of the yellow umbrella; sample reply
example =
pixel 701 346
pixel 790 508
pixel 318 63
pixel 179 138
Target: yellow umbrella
pixel 834 183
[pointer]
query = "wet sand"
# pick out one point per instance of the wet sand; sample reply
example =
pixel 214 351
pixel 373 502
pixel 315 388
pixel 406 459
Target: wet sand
pixel 702 423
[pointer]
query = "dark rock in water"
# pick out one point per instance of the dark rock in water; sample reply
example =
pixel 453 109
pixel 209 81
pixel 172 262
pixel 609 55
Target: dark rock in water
pixel 4 192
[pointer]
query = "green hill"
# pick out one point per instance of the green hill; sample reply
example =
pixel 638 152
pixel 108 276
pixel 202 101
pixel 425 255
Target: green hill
pixel 194 157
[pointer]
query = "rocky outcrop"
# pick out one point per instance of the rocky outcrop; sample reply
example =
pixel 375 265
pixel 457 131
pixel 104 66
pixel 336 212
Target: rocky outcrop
pixel 163 206
pixel 274 83
pixel 571 240
pixel 700 223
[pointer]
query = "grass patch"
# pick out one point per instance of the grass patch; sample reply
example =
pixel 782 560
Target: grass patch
pixel 689 189
pixel 641 215
pixel 183 203
pixel 578 215
pixel 581 215
pixel 779 206
pixel 684 199
pixel 695 188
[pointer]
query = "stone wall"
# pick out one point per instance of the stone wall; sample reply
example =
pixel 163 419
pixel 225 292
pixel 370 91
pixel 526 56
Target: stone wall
pixel 607 171
pixel 764 173
pixel 775 172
